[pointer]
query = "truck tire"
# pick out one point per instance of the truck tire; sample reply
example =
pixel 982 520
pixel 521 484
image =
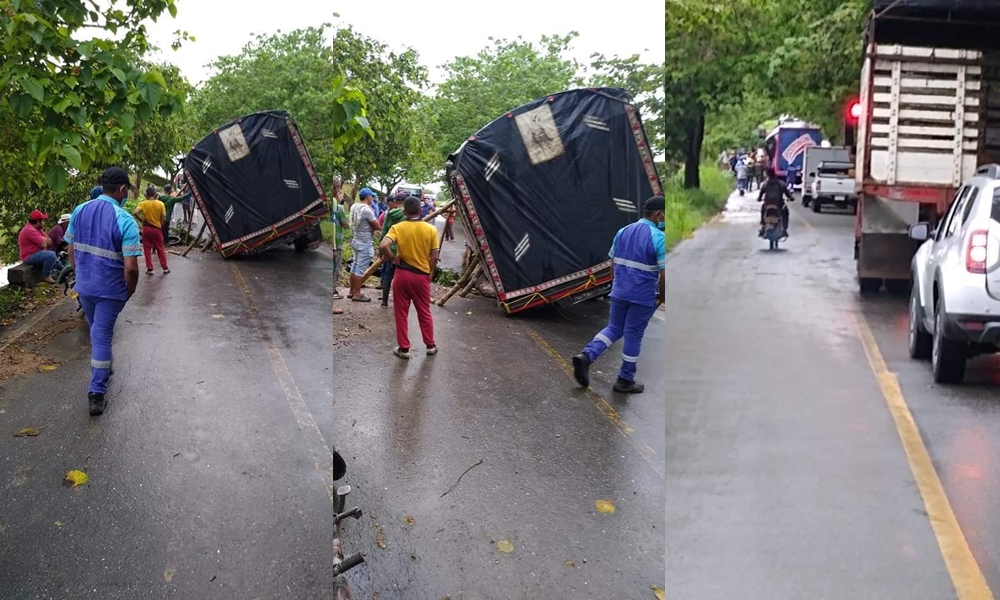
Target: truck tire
pixel 805 200
pixel 897 286
pixel 947 356
pixel 919 341
pixel 869 285
pixel 817 206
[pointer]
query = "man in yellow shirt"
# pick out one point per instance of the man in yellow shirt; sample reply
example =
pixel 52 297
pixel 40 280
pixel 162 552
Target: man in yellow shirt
pixel 153 214
pixel 416 259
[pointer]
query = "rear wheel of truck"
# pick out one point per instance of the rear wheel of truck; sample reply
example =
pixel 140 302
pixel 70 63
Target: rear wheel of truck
pixel 947 356
pixel 869 285
pixel 897 286
pixel 817 206
pixel 806 200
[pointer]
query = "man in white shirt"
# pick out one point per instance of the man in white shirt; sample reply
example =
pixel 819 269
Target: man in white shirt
pixel 364 223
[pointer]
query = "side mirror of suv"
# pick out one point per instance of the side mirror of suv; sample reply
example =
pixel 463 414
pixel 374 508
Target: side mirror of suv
pixel 920 232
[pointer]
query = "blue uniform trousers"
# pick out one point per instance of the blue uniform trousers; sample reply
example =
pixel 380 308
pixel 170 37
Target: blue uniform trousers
pixel 101 316
pixel 627 320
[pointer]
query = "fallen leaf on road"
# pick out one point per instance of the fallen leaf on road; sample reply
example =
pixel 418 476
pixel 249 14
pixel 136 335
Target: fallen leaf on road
pixel 570 564
pixel 410 520
pixel 469 313
pixel 75 478
pixel 505 546
pixel 48 367
pixel 659 593
pixel 58 523
pixel 168 573
pixel 605 506
pixel 216 316
pixel 379 535
pixel 27 432
pixel 213 305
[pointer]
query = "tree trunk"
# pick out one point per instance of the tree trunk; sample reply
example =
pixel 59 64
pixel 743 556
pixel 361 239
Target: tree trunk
pixel 692 152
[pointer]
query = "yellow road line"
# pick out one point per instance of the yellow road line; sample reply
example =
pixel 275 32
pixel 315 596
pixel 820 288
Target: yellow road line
pixel 962 566
pixel 805 222
pixel 602 405
pixel 320 451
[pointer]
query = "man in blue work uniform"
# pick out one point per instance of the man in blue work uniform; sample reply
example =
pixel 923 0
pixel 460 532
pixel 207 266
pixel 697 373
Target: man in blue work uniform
pixel 638 253
pixel 104 246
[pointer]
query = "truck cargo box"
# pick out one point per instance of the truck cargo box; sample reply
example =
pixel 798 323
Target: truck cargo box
pixel 254 181
pixel 544 188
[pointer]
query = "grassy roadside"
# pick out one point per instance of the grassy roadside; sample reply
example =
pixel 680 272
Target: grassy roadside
pixel 688 209
pixel 16 302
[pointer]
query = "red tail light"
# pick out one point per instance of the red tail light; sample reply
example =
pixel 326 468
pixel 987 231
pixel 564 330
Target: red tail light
pixel 975 252
pixel 819 185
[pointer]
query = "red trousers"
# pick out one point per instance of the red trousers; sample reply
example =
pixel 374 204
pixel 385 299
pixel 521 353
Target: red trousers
pixel 152 239
pixel 408 287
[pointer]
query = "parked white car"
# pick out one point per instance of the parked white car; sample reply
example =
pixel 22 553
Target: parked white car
pixel 833 183
pixel 954 315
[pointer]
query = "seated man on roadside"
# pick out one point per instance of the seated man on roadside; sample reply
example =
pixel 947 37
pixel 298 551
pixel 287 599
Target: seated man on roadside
pixel 33 245
pixel 57 233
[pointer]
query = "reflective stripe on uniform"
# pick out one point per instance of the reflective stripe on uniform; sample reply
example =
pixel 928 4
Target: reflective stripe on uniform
pixel 111 254
pixel 100 364
pixel 635 265
pixel 603 338
pixel 630 359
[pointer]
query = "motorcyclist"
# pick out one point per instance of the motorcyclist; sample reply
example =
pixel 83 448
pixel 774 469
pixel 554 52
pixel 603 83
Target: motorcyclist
pixel 774 192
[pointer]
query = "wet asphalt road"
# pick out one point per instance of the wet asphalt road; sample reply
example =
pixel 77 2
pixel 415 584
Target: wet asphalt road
pixel 787 475
pixel 208 477
pixel 498 392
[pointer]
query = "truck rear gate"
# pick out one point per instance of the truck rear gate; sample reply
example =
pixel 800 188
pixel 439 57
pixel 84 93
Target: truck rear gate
pixel 930 99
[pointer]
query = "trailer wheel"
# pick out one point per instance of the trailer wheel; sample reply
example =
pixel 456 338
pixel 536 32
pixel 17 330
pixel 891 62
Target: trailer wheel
pixel 870 285
pixel 817 206
pixel 806 200
pixel 897 286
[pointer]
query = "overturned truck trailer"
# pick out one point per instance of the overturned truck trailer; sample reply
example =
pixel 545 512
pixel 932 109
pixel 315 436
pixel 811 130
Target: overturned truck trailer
pixel 255 183
pixel 543 189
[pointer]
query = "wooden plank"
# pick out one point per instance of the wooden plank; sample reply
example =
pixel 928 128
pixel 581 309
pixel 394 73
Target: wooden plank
pixel 925 143
pixel 925 52
pixel 924 131
pixel 909 83
pixel 886 66
pixel 910 114
pixel 922 99
pixel 932 168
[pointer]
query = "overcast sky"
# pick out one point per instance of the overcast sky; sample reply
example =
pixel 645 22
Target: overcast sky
pixel 438 30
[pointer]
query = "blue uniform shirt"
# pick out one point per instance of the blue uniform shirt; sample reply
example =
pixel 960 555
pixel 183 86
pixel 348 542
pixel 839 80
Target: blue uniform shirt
pixel 102 234
pixel 639 253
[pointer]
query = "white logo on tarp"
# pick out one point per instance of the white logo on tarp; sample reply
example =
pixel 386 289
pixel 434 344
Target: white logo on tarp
pixel 206 164
pixel 540 134
pixel 595 123
pixel 269 133
pixel 492 166
pixel 230 213
pixel 797 147
pixel 234 143
pixel 522 248
pixel 292 184
pixel 624 205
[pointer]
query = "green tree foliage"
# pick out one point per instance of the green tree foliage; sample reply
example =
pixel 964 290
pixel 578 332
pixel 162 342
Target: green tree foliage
pixel 478 89
pixel 305 73
pixel 159 142
pixel 71 94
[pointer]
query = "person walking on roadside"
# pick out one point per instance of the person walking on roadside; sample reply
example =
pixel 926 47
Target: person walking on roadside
pixel 449 224
pixel 152 213
pixel 364 223
pixel 104 247
pixel 34 246
pixel 416 259
pixel 638 254
pixel 388 219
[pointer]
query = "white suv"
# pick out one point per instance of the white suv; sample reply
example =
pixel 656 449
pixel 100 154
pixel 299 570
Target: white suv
pixel 953 314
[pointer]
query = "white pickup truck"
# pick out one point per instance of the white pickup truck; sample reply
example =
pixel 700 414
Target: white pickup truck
pixel 834 184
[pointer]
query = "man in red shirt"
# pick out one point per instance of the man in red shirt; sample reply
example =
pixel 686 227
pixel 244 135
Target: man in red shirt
pixel 33 244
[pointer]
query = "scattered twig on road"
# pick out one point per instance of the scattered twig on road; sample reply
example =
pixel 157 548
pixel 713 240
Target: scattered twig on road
pixel 197 237
pixel 455 485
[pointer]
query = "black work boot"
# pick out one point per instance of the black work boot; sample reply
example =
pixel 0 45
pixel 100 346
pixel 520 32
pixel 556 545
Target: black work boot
pixel 97 404
pixel 625 386
pixel 581 369
pixel 385 297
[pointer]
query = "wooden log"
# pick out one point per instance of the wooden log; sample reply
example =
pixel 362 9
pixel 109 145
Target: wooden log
pixel 371 270
pixel 437 212
pixel 461 282
pixel 198 237
pixel 476 272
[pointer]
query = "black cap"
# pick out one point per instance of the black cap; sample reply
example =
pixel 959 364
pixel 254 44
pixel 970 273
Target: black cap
pixel 655 203
pixel 115 176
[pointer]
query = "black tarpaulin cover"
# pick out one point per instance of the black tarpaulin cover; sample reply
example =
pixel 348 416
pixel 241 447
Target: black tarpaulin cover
pixel 254 181
pixel 545 188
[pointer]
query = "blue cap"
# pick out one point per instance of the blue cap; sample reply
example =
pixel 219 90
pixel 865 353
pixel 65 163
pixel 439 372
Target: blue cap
pixel 365 192
pixel 97 191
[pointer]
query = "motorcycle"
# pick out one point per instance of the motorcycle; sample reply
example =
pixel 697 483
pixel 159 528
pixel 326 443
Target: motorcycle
pixel 67 275
pixel 341 565
pixel 774 226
